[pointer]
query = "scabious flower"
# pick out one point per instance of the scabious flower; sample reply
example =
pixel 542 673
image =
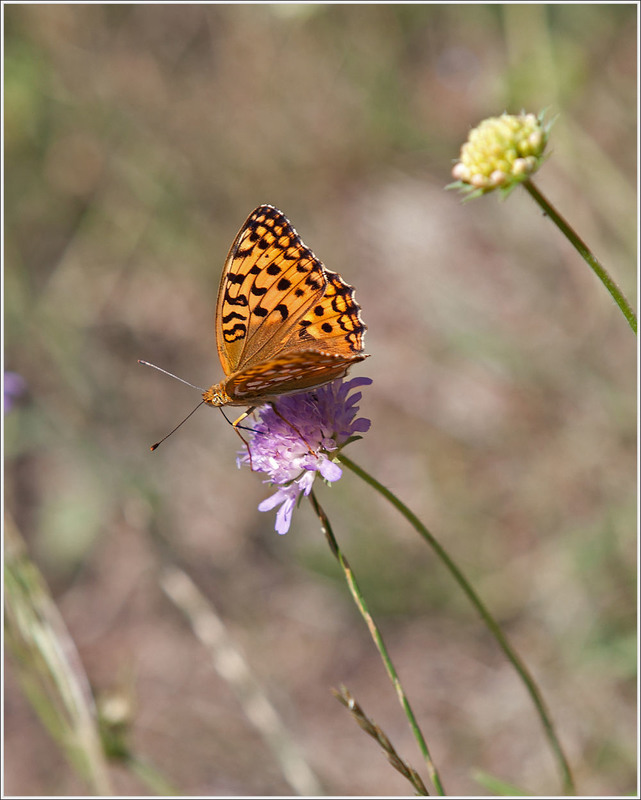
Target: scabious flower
pixel 13 386
pixel 500 153
pixel 300 438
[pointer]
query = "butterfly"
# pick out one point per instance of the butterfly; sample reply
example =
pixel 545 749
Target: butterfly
pixel 284 323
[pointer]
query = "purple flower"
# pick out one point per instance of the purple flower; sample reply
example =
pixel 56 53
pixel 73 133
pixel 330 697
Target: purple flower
pixel 321 421
pixel 13 386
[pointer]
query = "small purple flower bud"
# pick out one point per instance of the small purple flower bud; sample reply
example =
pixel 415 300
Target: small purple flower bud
pixel 13 385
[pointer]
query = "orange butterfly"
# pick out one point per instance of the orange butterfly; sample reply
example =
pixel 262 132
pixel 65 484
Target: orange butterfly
pixel 284 322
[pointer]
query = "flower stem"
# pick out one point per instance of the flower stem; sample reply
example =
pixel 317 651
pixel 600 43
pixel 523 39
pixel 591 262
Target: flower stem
pixel 378 641
pixel 519 666
pixel 344 696
pixel 584 251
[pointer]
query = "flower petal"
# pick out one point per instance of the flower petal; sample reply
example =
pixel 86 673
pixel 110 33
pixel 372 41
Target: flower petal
pixel 271 502
pixel 284 516
pixel 361 425
pixel 330 470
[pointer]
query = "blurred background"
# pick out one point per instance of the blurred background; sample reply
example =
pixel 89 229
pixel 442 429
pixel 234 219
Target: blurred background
pixel 137 140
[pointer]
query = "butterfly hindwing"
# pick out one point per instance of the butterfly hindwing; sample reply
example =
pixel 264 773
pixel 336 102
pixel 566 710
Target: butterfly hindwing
pixel 334 321
pixel 287 373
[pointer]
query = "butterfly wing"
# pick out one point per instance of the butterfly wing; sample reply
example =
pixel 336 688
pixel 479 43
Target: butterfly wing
pixel 270 280
pixel 287 373
pixel 284 323
pixel 333 323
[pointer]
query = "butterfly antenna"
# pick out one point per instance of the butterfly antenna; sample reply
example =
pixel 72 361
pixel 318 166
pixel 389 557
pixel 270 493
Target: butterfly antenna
pixel 171 375
pixel 154 446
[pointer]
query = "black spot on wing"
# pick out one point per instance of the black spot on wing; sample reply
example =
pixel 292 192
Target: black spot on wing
pixel 240 300
pixel 237 331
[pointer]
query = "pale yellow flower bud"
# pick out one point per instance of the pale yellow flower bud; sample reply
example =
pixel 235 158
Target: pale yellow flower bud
pixel 501 152
pixel 461 172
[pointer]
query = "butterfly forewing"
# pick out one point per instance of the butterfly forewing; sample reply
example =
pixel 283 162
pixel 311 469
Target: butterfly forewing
pixel 269 282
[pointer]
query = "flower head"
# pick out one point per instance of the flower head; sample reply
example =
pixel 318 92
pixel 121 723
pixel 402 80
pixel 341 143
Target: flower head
pixel 500 153
pixel 299 436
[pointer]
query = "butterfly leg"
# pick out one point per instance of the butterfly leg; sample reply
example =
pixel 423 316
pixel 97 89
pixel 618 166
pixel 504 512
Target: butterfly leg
pixel 235 425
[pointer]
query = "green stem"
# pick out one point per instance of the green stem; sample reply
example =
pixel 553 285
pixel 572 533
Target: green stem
pixel 568 781
pixel 584 251
pixel 378 641
pixel 48 664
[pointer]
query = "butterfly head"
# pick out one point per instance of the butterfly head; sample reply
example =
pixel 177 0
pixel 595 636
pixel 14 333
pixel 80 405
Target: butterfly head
pixel 216 396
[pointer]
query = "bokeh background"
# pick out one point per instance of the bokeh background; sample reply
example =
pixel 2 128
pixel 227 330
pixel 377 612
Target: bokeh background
pixel 137 140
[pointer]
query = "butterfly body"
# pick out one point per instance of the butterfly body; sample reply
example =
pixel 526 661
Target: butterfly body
pixel 284 322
